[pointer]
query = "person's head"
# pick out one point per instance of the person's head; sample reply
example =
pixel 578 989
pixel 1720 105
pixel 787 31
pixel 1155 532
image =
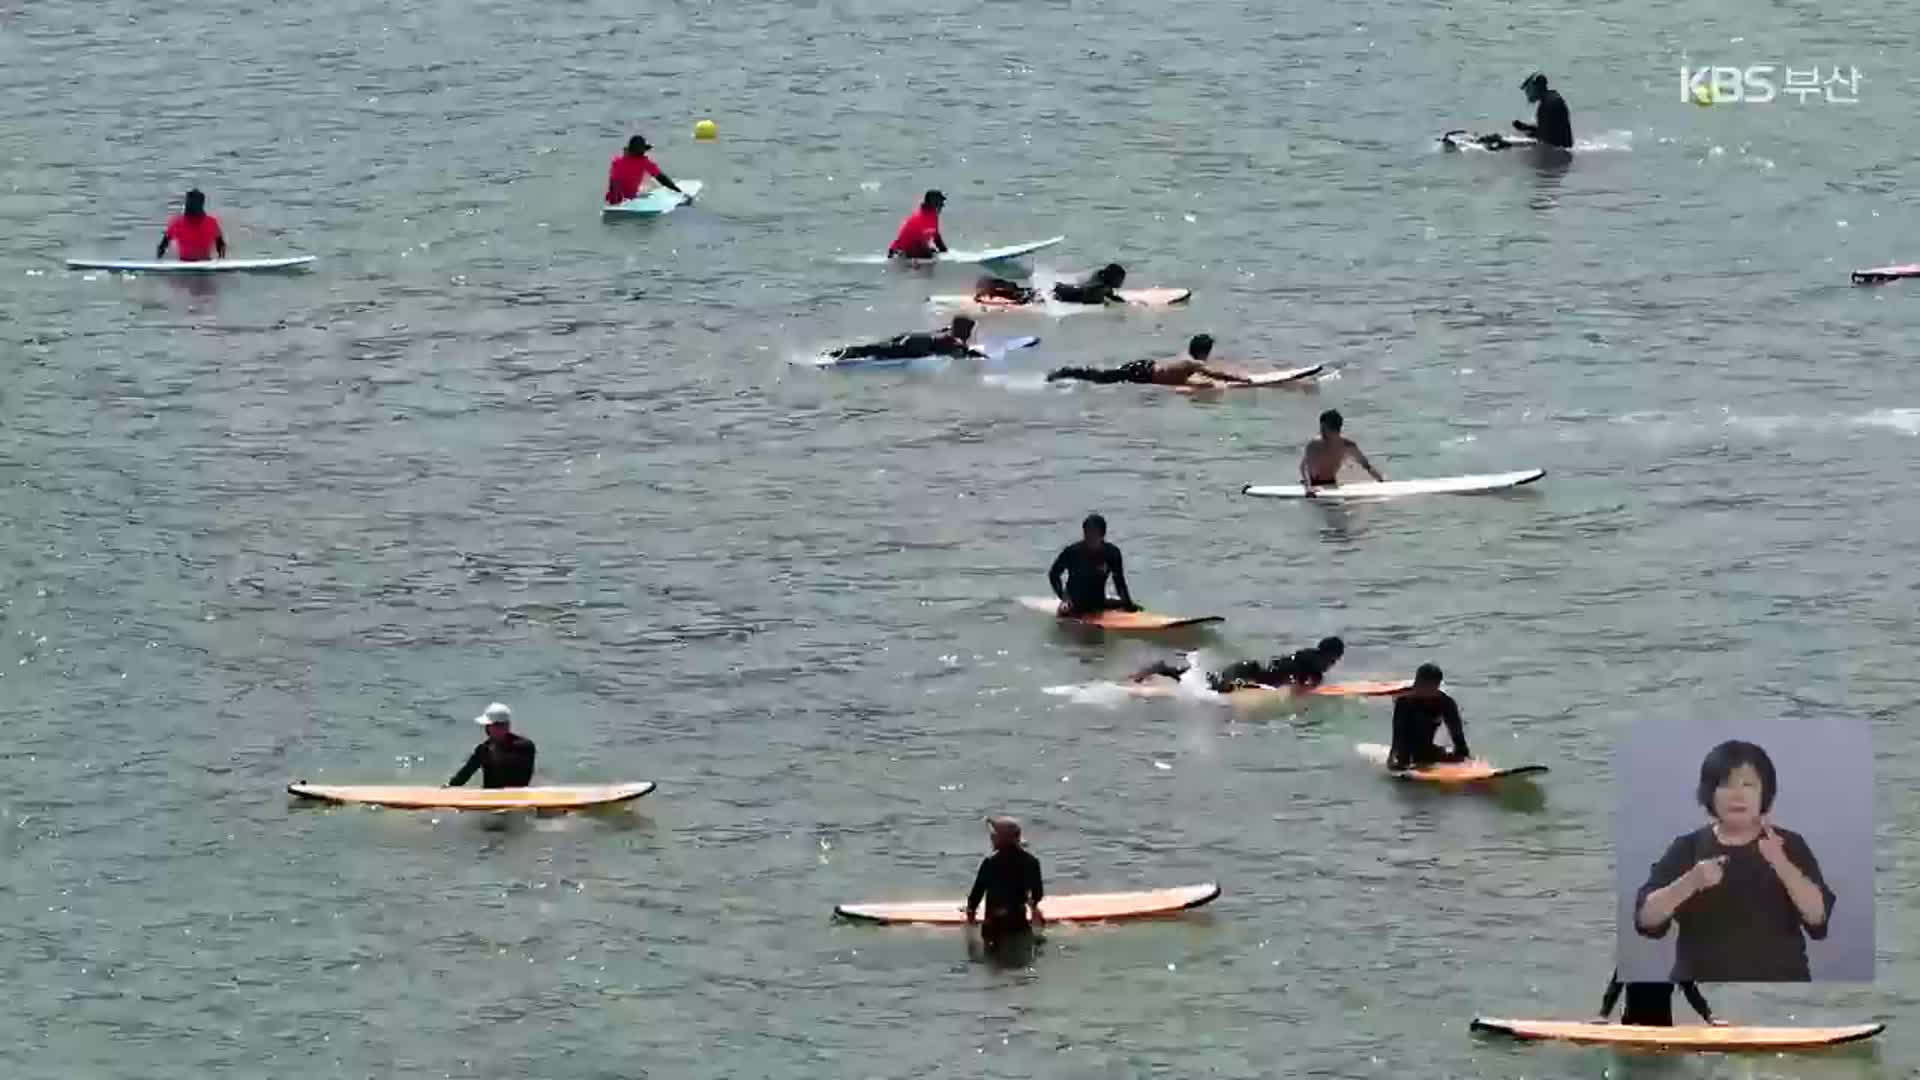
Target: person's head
pixel 1111 276
pixel 1331 649
pixel 1200 346
pixel 1331 422
pixel 961 329
pixel 1427 677
pixel 1094 529
pixel 1737 784
pixel 196 203
pixel 498 720
pixel 934 201
pixel 1005 832
pixel 638 145
pixel 1535 86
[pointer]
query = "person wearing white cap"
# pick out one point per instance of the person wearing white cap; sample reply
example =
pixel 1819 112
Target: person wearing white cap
pixel 504 759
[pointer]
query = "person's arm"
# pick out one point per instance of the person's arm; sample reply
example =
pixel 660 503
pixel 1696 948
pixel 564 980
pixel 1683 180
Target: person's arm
pixel 220 243
pixel 1057 571
pixel 667 182
pixel 165 239
pixel 1159 667
pixel 1306 478
pixel 1223 376
pixel 1810 895
pixel 1525 128
pixel 1120 579
pixel 979 889
pixel 939 241
pixel 1400 753
pixel 1612 995
pixel 1361 458
pixel 472 766
pixel 1699 1003
pixel 1456 730
pixel 1671 882
pixel 1036 891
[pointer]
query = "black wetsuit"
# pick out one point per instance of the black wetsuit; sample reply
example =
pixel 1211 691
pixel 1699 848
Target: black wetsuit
pixel 1417 716
pixel 1085 292
pixel 1086 573
pixel 1306 668
pixel 1552 124
pixel 999 288
pixel 1745 929
pixel 905 347
pixel 1139 371
pixel 504 764
pixel 1009 880
pixel 1650 1004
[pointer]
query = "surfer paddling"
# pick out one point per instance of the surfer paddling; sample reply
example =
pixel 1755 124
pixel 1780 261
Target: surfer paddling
pixel 1178 371
pixel 1302 670
pixel 1009 882
pixel 953 341
pixel 1086 565
pixel 1100 287
pixel 195 233
pixel 1552 124
pixel 1321 461
pixel 505 759
pixel 1650 1004
pixel 630 171
pixel 1417 715
pixel 919 236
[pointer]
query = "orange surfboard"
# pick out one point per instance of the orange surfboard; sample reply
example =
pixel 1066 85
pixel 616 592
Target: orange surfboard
pixel 1452 772
pixel 1118 620
pixel 1081 907
pixel 1688 1036
pixel 404 797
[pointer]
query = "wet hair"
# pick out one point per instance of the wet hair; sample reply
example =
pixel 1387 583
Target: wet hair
pixel 1201 346
pixel 1111 275
pixel 1428 675
pixel 933 197
pixel 638 145
pixel 1332 648
pixel 196 202
pixel 1332 420
pixel 962 327
pixel 1728 756
pixel 1096 523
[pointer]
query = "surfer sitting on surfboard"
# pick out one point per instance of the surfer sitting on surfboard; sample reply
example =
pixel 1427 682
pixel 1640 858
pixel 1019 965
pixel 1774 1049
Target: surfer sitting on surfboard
pixel 949 342
pixel 1650 1004
pixel 504 759
pixel 1417 716
pixel 1098 288
pixel 1305 669
pixel 1087 564
pixel 1009 882
pixel 919 236
pixel 630 171
pixel 1175 372
pixel 1552 124
pixel 1320 462
pixel 196 232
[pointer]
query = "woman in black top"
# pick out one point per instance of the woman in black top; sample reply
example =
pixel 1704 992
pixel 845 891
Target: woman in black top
pixel 1745 892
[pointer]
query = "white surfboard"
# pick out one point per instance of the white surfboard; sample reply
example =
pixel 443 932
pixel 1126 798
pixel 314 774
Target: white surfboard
pixel 660 200
pixel 987 255
pixel 1491 141
pixel 992 348
pixel 204 266
pixel 1397 489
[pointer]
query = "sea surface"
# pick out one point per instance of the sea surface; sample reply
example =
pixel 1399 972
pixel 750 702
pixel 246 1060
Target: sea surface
pixel 270 528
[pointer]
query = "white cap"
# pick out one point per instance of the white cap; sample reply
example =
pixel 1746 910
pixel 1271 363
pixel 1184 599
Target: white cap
pixel 496 714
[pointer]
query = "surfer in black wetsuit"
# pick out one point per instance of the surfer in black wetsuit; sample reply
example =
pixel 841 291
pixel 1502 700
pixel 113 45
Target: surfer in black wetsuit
pixel 1650 1004
pixel 1417 716
pixel 1178 371
pixel 1099 288
pixel 504 760
pixel 1087 565
pixel 1552 124
pixel 1009 881
pixel 1305 669
pixel 952 341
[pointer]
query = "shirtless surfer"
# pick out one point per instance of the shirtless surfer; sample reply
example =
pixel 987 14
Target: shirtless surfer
pixel 1320 463
pixel 1178 371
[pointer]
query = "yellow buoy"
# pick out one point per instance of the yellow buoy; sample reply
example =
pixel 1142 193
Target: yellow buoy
pixel 1703 95
pixel 706 129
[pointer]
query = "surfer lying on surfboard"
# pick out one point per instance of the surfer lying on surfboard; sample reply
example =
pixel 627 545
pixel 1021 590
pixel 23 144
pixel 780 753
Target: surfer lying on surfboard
pixel 1305 669
pixel 1087 565
pixel 196 232
pixel 1552 124
pixel 919 236
pixel 1417 716
pixel 1650 1004
pixel 1099 288
pixel 630 171
pixel 1320 462
pixel 1009 881
pixel 1178 371
pixel 953 341
pixel 505 759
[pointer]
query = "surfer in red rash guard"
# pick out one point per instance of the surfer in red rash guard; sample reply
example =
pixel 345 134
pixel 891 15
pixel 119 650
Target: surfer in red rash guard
pixel 919 236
